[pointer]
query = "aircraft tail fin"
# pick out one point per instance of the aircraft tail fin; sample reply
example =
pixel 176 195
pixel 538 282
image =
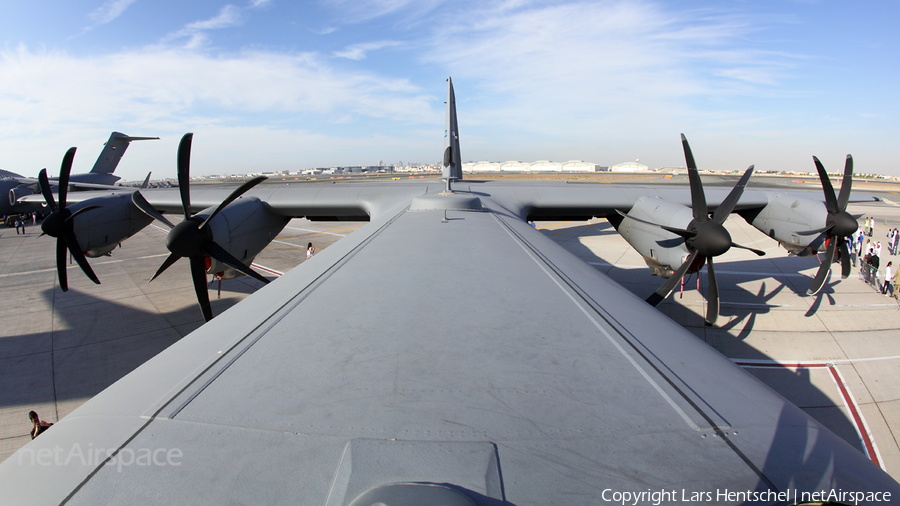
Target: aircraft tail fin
pixel 113 150
pixel 452 160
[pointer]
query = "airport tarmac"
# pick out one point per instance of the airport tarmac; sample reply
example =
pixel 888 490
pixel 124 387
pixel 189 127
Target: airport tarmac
pixel 835 355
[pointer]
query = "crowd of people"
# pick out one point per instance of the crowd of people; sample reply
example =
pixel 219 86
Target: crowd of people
pixel 869 254
pixel 20 220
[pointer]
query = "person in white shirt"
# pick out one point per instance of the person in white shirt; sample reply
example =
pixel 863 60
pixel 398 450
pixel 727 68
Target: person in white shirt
pixel 887 280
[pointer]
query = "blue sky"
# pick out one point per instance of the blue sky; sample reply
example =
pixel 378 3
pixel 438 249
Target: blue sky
pixel 275 85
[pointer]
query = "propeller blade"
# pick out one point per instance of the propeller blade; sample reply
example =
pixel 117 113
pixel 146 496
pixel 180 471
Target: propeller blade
pixel 819 280
pixel 141 203
pixel 61 264
pixel 171 259
pixel 78 255
pixel 662 292
pixel 677 231
pixel 45 190
pixel 234 195
pixel 845 259
pixel 698 197
pixel 712 298
pixel 758 252
pixel 846 184
pixel 830 202
pixel 82 210
pixel 220 254
pixel 816 231
pixel 184 173
pixel 64 171
pixel 727 205
pixel 198 273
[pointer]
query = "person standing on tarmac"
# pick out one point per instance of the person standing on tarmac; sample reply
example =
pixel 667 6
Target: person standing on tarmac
pixel 38 425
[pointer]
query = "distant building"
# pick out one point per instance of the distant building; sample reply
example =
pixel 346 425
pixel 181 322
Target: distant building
pixel 539 166
pixel 629 167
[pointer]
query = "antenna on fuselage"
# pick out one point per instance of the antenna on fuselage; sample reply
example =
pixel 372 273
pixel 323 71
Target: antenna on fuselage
pixel 452 162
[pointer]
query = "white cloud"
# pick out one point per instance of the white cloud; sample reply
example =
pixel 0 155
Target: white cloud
pixel 356 11
pixel 603 81
pixel 228 16
pixel 163 92
pixel 195 32
pixel 612 75
pixel 109 11
pixel 358 51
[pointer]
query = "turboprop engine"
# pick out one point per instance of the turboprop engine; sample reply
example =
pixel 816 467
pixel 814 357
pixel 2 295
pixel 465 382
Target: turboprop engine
pixel 222 239
pixel 117 219
pixel 687 237
pixel 805 227
pixel 786 215
pixel 244 228
pixel 661 249
pixel 89 228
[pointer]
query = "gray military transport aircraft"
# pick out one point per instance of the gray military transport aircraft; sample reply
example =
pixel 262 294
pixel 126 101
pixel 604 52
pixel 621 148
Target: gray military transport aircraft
pixel 100 177
pixel 482 365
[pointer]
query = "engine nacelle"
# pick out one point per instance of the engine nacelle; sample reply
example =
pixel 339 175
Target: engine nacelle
pixel 662 250
pixel 99 231
pixel 784 216
pixel 18 192
pixel 244 228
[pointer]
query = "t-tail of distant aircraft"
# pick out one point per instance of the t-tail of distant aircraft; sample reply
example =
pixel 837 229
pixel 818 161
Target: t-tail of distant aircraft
pixel 113 150
pixel 452 162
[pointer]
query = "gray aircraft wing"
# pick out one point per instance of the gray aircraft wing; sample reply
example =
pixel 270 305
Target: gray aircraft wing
pixel 529 200
pixel 445 344
pixel 55 184
pixel 6 173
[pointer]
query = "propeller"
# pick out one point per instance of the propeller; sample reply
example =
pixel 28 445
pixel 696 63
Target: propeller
pixel 705 237
pixel 192 238
pixel 59 223
pixel 839 224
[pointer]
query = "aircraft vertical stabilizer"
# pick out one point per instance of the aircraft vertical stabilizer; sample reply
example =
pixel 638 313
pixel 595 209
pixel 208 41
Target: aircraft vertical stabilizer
pixel 452 161
pixel 113 150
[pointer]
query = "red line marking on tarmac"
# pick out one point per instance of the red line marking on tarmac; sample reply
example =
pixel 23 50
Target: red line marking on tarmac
pixel 862 428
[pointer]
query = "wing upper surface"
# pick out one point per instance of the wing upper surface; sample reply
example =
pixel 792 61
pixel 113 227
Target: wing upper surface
pixel 425 349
